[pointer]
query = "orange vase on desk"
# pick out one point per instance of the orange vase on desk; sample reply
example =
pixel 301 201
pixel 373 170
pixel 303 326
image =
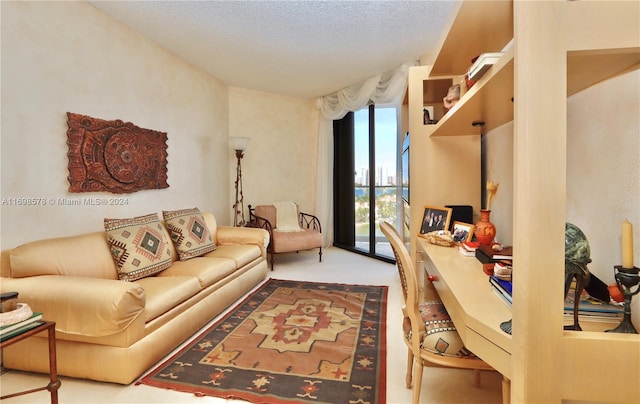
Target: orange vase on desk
pixel 485 231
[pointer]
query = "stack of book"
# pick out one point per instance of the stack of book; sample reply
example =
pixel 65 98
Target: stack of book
pixel 490 258
pixel 468 248
pixel 489 254
pixel 504 289
pixel 9 330
pixel 592 308
pixel 589 307
pixel 503 269
pixel 483 63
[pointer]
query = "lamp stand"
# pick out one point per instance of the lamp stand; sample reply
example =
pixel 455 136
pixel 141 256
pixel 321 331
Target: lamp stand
pixel 238 206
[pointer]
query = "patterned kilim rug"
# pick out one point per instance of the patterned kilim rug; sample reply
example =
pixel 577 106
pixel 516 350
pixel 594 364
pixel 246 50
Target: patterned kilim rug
pixel 289 342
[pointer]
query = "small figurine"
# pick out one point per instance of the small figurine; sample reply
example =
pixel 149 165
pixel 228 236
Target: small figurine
pixel 452 96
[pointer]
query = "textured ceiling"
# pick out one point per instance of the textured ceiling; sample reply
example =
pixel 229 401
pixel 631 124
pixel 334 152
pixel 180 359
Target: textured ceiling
pixel 297 48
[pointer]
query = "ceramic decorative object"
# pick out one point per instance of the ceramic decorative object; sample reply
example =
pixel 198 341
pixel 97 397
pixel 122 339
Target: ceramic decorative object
pixel 485 231
pixel 576 246
pixel 577 254
pixel 469 83
pixel 453 96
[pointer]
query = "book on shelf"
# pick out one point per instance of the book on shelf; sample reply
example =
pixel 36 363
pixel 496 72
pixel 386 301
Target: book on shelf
pixel 8 334
pixel 503 297
pixel 502 288
pixel 5 329
pixel 503 270
pixel 35 316
pixel 483 63
pixel 505 254
pixel 466 252
pixel 470 245
pixel 486 258
pixel 588 307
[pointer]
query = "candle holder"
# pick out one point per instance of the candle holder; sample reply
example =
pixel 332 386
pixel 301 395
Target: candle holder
pixel 627 279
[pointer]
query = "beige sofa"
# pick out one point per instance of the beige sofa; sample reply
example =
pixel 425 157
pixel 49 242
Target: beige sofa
pixel 111 330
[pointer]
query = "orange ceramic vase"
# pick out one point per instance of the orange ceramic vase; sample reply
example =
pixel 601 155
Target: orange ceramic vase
pixel 485 231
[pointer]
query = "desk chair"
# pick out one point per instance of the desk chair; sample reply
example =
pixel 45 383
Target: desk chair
pixel 429 332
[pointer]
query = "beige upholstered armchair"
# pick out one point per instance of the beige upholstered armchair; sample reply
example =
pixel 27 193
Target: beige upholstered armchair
pixel 290 229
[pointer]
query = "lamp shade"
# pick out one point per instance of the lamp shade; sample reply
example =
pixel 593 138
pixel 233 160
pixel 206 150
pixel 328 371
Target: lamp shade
pixel 239 143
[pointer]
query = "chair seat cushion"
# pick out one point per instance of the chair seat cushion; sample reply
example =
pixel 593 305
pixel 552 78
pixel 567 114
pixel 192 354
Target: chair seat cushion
pixel 296 241
pixel 442 338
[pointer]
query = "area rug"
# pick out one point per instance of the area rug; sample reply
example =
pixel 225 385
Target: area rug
pixel 289 342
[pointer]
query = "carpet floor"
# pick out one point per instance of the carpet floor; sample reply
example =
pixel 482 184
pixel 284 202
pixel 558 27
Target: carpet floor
pixel 289 341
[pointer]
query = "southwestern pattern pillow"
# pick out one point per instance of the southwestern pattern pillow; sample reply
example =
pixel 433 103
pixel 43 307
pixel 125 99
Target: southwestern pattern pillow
pixel 138 246
pixel 189 233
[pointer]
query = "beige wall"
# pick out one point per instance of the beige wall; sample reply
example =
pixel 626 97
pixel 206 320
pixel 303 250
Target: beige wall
pixel 60 57
pixel 280 161
pixel 603 173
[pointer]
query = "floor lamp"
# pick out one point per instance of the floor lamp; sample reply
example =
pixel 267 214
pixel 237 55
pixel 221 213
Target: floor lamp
pixel 239 144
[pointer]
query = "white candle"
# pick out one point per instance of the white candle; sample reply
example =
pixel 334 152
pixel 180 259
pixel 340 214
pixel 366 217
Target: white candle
pixel 627 244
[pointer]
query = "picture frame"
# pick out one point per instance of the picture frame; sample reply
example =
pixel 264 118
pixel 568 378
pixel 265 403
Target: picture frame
pixel 462 231
pixel 435 218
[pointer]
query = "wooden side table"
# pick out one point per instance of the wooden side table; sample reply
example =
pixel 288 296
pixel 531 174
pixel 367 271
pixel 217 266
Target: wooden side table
pixel 54 383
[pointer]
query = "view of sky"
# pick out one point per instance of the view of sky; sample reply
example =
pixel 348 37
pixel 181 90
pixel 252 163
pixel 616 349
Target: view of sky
pixel 386 144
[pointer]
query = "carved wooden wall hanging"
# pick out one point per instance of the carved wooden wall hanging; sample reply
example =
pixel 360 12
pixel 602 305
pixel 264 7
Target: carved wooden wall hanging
pixel 114 156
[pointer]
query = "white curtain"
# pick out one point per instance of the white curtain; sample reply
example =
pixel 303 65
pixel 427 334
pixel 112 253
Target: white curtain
pixel 384 88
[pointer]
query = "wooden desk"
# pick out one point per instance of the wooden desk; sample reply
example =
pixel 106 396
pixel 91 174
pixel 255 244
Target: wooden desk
pixel 474 308
pixel 54 383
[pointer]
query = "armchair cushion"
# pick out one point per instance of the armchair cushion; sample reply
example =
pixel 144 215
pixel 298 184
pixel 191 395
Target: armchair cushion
pixel 267 212
pixel 284 241
pixel 139 246
pixel 189 232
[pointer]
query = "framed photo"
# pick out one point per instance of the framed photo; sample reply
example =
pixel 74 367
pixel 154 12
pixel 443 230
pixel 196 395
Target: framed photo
pixel 462 231
pixel 435 218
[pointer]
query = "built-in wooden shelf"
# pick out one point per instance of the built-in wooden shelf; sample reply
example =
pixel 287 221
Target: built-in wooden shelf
pixel 587 43
pixel 488 27
pixel 478 27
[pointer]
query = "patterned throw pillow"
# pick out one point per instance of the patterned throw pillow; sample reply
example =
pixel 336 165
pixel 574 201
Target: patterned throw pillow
pixel 138 246
pixel 189 232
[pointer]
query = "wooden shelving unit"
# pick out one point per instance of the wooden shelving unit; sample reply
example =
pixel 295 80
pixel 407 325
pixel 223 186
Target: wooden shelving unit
pixel 490 100
pixel 558 49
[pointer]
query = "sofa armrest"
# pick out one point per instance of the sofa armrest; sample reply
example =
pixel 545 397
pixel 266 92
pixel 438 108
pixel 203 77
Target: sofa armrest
pixel 81 306
pixel 228 235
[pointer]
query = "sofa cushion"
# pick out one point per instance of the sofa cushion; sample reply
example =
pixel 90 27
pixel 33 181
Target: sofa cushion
pixel 163 294
pixel 189 232
pixel 207 270
pixel 241 254
pixel 85 255
pixel 138 246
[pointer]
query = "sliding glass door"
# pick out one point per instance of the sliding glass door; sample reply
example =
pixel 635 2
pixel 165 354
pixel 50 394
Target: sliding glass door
pixel 366 147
